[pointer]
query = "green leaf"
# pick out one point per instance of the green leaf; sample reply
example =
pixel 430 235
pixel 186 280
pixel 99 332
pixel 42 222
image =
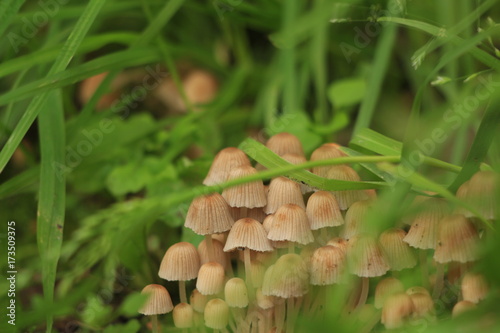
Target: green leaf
pixel 381 61
pixel 52 193
pixel 132 304
pixel 440 80
pixel 279 166
pixel 486 132
pixel 8 10
pixel 376 142
pixel 67 52
pixel 347 92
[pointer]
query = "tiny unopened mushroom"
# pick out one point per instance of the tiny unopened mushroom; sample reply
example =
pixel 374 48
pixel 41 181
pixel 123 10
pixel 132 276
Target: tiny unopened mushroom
pixel 216 314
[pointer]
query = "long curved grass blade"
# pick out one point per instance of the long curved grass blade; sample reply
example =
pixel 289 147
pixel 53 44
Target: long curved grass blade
pixel 476 52
pixel 8 10
pixel 23 182
pixel 51 194
pixel 62 61
pixel 279 166
pixel 90 43
pixel 420 54
pixel 109 62
pixel 420 182
pixel 486 132
pixel 375 81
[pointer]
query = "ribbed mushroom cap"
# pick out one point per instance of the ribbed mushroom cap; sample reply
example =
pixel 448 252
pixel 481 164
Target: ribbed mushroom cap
pixel 355 218
pixel 264 301
pixel 209 214
pixel 158 302
pixel 216 314
pixel 327 266
pixel 385 288
pixel 210 278
pixel 424 305
pixel 323 211
pixel 226 160
pixel 325 152
pixel 181 262
pixel 183 315
pixel 287 278
pixel 248 233
pixel 397 309
pixel 474 287
pixel 250 195
pixel 348 197
pixel 268 222
pixel 462 307
pixel 398 253
pixel 365 257
pixel 290 223
pixel 219 255
pixel 457 240
pixel 235 293
pixel 339 242
pixel 198 301
pixel 482 193
pixel 285 143
pixel 283 191
pixel 423 230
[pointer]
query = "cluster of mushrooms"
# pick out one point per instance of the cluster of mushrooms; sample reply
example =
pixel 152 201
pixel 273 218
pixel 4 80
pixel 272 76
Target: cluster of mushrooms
pixel 274 252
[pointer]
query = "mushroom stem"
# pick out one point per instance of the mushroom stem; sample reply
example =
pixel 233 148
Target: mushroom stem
pixel 248 272
pixel 210 247
pixel 280 316
pixel 364 293
pixel 154 322
pixel 424 269
pixel 243 212
pixel 182 291
pixel 438 285
pixel 290 315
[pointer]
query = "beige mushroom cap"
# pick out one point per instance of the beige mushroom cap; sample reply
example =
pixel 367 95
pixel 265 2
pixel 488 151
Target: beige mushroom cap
pixel 209 214
pixel 181 262
pixel 158 302
pixel 248 233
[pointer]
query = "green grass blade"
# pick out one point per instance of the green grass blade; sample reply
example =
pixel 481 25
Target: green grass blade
pixel 109 62
pixel 375 142
pixel 279 166
pixel 8 10
pixel 421 182
pixel 52 193
pixel 90 44
pixel 420 54
pixel 381 61
pixel 62 61
pixel 476 52
pixel 486 132
pixel 23 182
pixel 369 140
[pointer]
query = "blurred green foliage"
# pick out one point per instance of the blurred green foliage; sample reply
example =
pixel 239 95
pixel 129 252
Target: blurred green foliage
pixel 316 69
